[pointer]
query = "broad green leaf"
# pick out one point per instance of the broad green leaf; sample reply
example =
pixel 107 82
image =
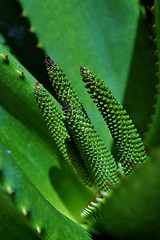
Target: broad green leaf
pixel 132 209
pixel 110 38
pixel 35 216
pixel 152 138
pixel 119 42
pixel 141 88
pixel 25 135
pixel 99 36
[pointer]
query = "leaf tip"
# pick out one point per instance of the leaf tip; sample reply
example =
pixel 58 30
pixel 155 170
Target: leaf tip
pixel 37 85
pixel 82 69
pixel 48 60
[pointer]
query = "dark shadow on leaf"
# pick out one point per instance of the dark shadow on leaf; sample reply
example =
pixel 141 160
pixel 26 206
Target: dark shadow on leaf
pixel 141 88
pixel 97 237
pixel 71 191
pixel 23 43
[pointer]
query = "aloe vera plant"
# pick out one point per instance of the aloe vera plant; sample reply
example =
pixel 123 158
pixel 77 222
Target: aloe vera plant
pixel 78 165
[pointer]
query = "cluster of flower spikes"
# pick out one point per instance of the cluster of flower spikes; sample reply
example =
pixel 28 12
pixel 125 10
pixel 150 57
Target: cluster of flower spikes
pixel 59 133
pixel 96 159
pixel 77 139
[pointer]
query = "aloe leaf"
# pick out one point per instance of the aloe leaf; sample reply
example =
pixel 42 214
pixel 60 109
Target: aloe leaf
pixel 139 98
pixel 152 138
pixel 89 34
pixel 11 220
pixel 24 133
pixel 117 47
pixel 34 215
pixel 105 37
pixel 132 210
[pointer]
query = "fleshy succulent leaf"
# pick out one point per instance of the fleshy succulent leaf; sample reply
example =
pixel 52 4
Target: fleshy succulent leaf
pixel 126 215
pixel 111 37
pixel 152 136
pixel 36 216
pixel 25 134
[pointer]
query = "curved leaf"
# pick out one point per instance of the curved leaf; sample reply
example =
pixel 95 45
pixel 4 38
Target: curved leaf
pixel 38 215
pixel 132 209
pixel 25 135
pixel 98 36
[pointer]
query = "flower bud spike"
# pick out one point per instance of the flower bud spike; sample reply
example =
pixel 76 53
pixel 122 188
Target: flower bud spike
pixel 124 133
pixel 59 133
